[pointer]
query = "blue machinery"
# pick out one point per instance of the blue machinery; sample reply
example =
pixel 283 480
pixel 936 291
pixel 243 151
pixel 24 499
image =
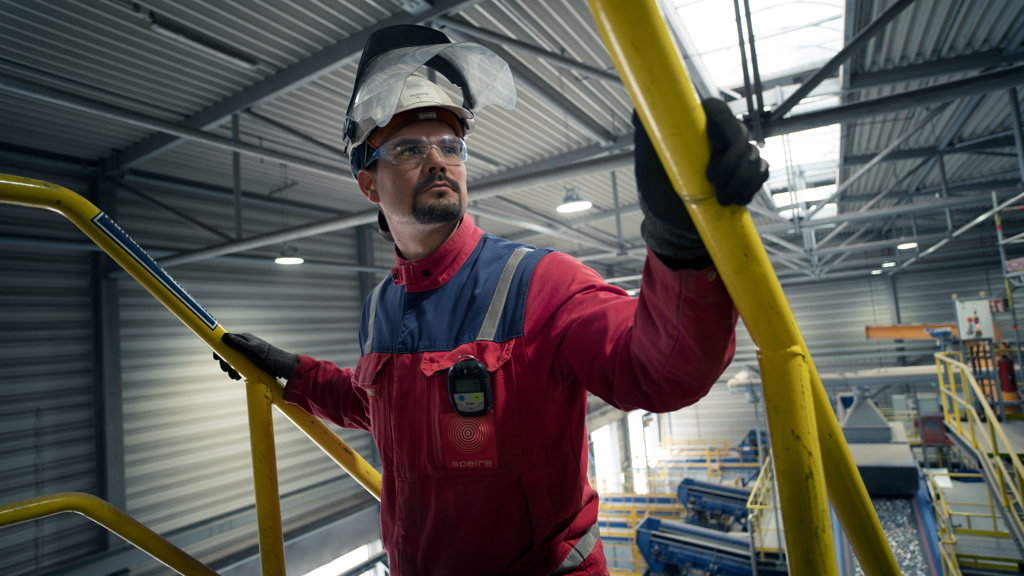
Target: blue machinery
pixel 718 535
pixel 713 505
pixel 670 547
pixel 714 539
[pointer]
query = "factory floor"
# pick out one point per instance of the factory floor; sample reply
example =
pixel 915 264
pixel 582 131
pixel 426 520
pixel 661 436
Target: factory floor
pixel 1014 430
pixel 975 521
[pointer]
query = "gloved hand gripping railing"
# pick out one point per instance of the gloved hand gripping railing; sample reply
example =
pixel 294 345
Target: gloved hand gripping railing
pixel 262 390
pixel 809 451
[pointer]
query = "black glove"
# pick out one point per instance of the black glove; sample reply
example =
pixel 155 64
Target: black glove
pixel 735 169
pixel 271 360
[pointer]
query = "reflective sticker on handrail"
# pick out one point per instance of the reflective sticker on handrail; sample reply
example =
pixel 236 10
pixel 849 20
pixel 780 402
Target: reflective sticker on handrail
pixel 111 229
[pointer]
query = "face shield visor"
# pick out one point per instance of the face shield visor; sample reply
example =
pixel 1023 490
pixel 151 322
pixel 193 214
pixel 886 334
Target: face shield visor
pixel 482 76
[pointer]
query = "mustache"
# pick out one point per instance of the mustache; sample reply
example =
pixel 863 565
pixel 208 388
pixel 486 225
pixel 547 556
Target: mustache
pixel 431 180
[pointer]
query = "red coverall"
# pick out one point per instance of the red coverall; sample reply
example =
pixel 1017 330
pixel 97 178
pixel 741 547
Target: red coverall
pixel 521 502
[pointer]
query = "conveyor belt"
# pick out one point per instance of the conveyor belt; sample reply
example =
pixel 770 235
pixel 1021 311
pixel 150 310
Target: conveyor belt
pixel 667 545
pixel 714 505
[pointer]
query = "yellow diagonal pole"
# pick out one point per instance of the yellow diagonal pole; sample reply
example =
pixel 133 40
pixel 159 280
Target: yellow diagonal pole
pixel 807 443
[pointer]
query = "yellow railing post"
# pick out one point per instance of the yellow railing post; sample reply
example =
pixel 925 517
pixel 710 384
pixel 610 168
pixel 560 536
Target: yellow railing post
pixel 1010 482
pixel 645 56
pixel 265 481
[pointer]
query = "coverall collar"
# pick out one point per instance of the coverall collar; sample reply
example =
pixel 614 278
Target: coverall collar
pixel 436 268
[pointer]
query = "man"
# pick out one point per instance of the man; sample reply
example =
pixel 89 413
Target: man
pixel 478 353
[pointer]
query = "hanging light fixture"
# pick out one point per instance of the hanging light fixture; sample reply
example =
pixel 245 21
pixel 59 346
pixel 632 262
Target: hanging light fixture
pixel 289 256
pixel 573 201
pixel 907 246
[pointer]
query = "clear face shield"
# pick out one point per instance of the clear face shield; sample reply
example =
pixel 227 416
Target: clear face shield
pixel 485 80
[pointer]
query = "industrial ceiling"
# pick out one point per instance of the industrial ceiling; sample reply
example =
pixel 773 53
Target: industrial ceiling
pixel 246 100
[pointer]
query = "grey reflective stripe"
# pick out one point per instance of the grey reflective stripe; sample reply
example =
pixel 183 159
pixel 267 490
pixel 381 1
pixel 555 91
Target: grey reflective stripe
pixel 367 346
pixel 580 551
pixel 490 325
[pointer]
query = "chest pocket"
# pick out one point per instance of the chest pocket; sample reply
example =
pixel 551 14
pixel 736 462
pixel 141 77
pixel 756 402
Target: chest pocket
pixel 479 446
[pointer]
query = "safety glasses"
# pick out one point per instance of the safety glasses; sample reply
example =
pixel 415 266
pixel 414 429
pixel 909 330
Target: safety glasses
pixel 415 150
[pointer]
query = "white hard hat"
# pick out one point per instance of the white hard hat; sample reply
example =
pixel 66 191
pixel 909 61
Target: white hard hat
pixel 420 93
pixel 389 80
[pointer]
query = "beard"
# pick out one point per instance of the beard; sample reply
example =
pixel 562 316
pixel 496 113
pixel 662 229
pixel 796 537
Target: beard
pixel 437 210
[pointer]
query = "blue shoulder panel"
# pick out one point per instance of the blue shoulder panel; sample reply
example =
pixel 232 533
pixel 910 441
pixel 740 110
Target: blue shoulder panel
pixel 451 315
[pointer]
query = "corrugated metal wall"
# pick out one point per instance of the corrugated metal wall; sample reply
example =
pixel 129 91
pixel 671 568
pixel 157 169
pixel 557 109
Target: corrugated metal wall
pixel 47 417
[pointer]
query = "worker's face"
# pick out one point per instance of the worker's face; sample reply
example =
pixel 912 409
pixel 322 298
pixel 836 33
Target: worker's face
pixel 425 194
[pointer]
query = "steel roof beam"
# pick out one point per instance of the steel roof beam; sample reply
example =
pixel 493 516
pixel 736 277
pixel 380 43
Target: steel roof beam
pixel 547 93
pixel 979 84
pixel 296 76
pixel 916 208
pixel 180 184
pixel 925 166
pixel 830 67
pixel 178 132
pixel 520 46
pixel 976 146
pixel 907 133
pixel 943 67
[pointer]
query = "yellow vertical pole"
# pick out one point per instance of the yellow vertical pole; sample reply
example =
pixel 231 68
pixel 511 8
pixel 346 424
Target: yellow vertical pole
pixel 954 397
pixel 941 370
pixel 265 481
pixel 636 38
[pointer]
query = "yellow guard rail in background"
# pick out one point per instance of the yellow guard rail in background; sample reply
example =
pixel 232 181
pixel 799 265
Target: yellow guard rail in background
pixel 808 448
pixel 962 400
pixel 262 390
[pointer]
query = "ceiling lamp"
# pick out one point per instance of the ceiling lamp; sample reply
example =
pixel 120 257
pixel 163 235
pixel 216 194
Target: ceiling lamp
pixel 906 246
pixel 573 201
pixel 289 257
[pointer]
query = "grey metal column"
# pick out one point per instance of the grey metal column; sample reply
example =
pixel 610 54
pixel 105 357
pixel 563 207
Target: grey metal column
pixel 106 360
pixel 1018 138
pixel 364 248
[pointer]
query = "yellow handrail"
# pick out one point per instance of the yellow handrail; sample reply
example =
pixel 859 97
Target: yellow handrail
pixel 106 515
pixel 262 390
pixel 947 531
pixel 984 432
pixel 760 504
pixel 808 442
